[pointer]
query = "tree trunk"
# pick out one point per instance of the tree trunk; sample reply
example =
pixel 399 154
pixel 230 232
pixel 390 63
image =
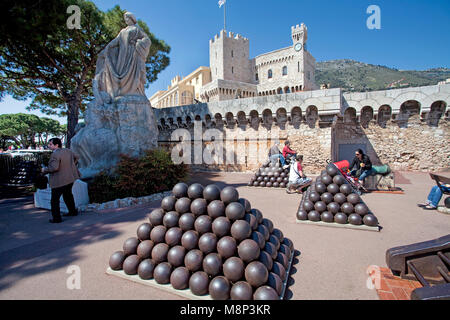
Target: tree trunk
pixel 73 107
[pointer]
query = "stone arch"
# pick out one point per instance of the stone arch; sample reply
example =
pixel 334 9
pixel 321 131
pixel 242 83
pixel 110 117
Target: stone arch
pixel 312 115
pixel 287 90
pixel 219 120
pixel 350 115
pixel 267 118
pixel 242 120
pixel 208 122
pixel 279 90
pixel 230 121
pixel 296 117
pixel 384 115
pixel 254 119
pixel 408 109
pixel 281 116
pixel 366 116
pixel 437 110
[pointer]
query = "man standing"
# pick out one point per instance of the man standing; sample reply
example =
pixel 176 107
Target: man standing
pixel 63 173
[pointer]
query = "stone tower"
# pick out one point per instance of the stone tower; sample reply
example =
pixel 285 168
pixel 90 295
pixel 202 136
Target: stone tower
pixel 229 57
pixel 299 36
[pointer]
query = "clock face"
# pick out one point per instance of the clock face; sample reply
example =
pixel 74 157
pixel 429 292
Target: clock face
pixel 298 46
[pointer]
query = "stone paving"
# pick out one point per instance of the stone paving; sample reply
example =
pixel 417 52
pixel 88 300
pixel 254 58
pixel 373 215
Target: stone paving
pixel 332 263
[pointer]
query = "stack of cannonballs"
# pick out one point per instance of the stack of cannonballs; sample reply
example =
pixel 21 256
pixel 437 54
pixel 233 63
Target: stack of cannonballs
pixel 332 199
pixel 271 176
pixel 212 242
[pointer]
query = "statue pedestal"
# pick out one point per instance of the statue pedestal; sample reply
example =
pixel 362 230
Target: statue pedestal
pixel 42 197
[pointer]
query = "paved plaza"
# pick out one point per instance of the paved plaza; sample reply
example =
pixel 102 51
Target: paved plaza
pixel 35 255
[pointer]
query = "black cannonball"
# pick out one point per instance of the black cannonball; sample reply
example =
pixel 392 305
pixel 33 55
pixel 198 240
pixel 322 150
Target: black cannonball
pixel 314 197
pixel 276 184
pixel 326 197
pixel 326 179
pixel 226 247
pixel 157 235
pixel 195 191
pixel 116 260
pixel 258 238
pixel 270 249
pixel 180 190
pixel 346 189
pixel 241 291
pixel 347 208
pixel 266 179
pixel 130 246
pixel 282 184
pixel 173 236
pixel 176 255
pixel 198 283
pixel 203 224
pixel 193 260
pixel 240 230
pixel 233 269
pixel 264 231
pixel 268 223
pixel 216 208
pixel 327 216
pixel 370 220
pixel 278 233
pixel 171 219
pixel 275 241
pixel 156 217
pixel 308 205
pixel 320 206
pixel 289 243
pixel 259 179
pixel 313 215
pixel 286 180
pixel 275 282
pixel 212 264
pixel 221 226
pixel 246 204
pixel 285 249
pixel 353 198
pixel 332 170
pixel 250 183
pixel 162 273
pixel 229 195
pixel 143 231
pixel 333 207
pixel 186 221
pixel 266 259
pixel 183 205
pixel 256 274
pixel 339 180
pixel 159 252
pixel 333 188
pixel 168 203
pixel 302 214
pixel 283 259
pixel 323 172
pixel 207 242
pixel 320 187
pixel 251 219
pixel 258 215
pixel 130 264
pixel 146 268
pixel 279 270
pixel 361 209
pixel 262 184
pixel 265 293
pixel 269 184
pixel 340 218
pixel 211 192
pixel 144 249
pixel 219 288
pixel 179 279
pixel 199 207
pixel 355 219
pixel 248 250
pixel 256 183
pixel 235 211
pixel 189 240
pixel 340 198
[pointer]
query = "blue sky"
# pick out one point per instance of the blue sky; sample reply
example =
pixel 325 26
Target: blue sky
pixel 413 35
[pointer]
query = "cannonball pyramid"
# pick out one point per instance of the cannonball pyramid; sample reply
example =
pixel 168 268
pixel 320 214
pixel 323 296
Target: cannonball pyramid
pixel 332 199
pixel 211 242
pixel 270 176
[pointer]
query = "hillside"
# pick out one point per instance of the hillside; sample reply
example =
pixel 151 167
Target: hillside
pixel 352 75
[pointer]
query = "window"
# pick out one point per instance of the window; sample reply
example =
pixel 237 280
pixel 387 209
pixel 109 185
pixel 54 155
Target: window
pixel 256 77
pixel 284 71
pixel 269 74
pixel 186 98
pixel 232 69
pixel 298 66
pixel 232 54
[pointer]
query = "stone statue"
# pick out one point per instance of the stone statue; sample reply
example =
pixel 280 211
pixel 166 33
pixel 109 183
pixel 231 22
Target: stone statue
pixel 120 119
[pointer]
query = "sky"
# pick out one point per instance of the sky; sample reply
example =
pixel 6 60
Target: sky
pixel 413 36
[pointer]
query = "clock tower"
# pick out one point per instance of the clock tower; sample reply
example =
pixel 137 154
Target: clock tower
pixel 299 36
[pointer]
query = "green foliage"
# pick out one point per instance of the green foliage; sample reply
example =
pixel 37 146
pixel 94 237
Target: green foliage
pixel 136 177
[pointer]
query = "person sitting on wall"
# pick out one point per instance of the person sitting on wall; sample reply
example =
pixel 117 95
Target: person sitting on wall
pixel 288 153
pixel 275 154
pixel 363 166
pixel 434 197
pixel 297 178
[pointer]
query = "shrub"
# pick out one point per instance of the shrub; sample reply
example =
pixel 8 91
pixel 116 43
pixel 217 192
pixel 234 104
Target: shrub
pixel 136 177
